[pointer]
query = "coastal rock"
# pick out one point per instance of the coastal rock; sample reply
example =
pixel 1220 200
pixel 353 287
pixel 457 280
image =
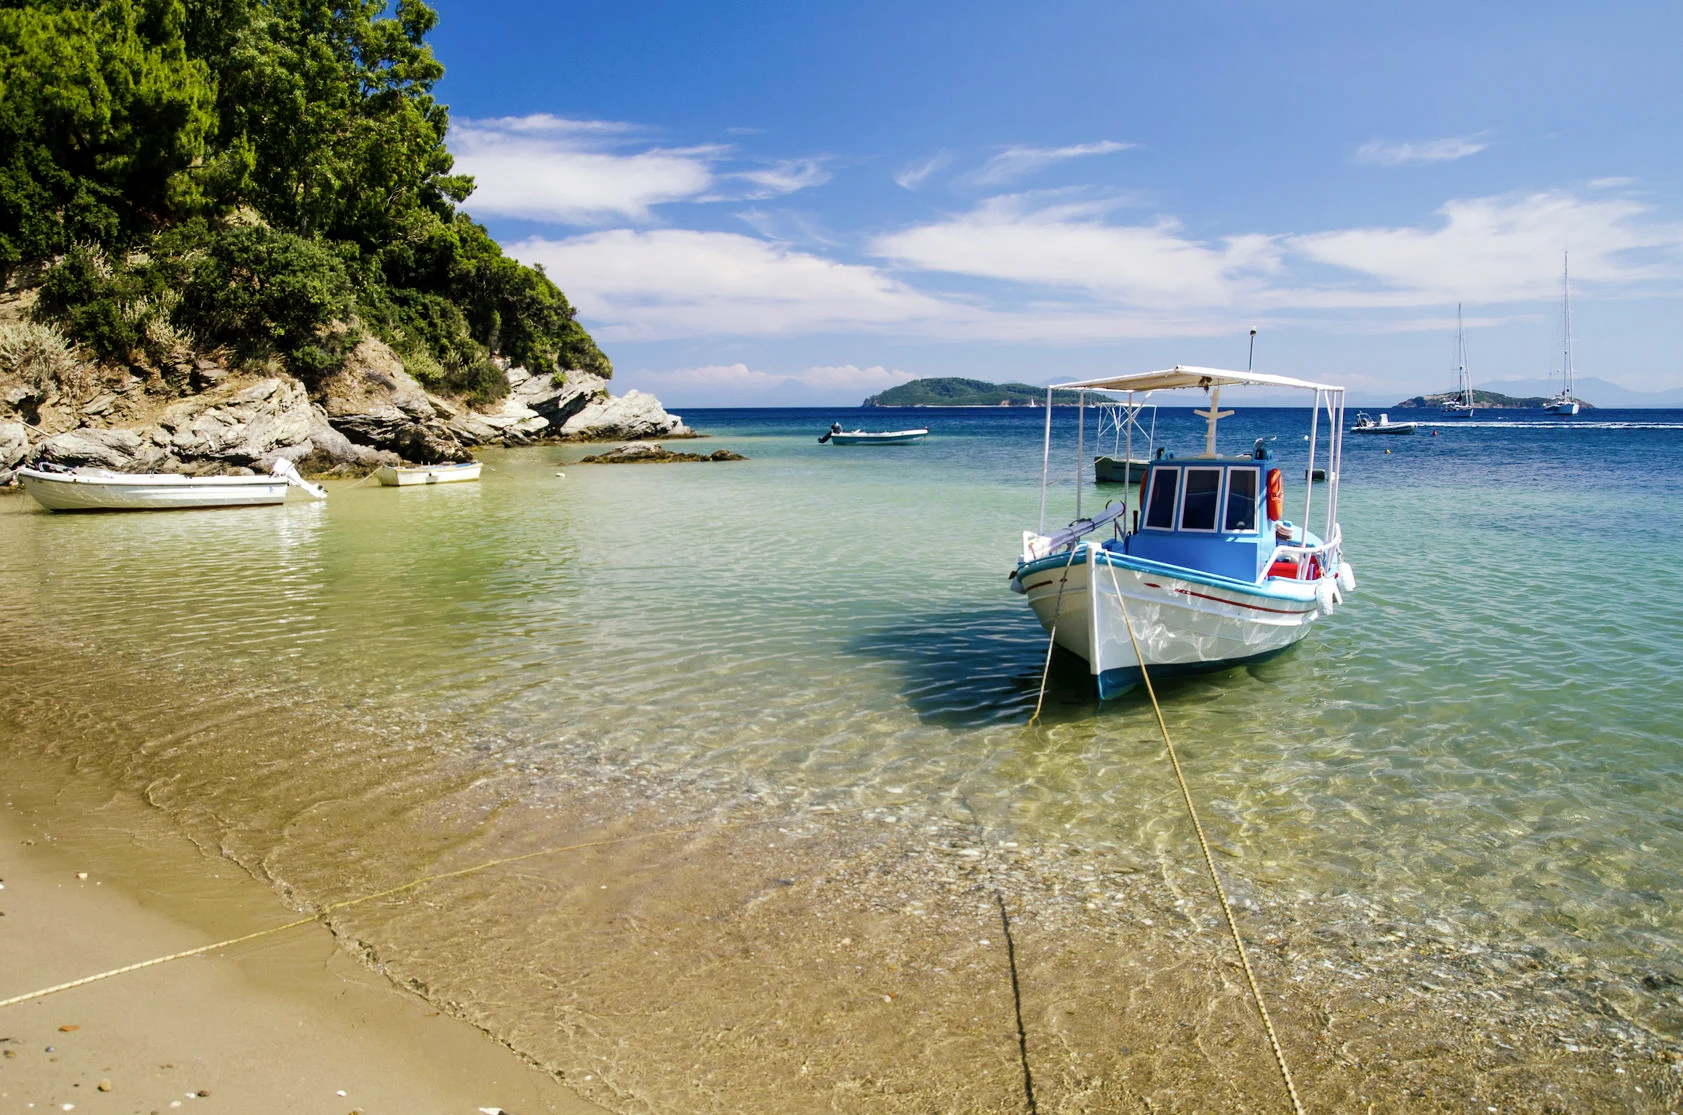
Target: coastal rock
pixel 633 415
pixel 117 450
pixel 648 453
pixel 374 402
pixel 243 423
pixel 14 447
pixel 578 408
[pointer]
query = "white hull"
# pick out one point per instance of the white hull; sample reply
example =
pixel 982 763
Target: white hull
pixel 96 490
pixel 393 477
pixel 895 437
pixel 1181 624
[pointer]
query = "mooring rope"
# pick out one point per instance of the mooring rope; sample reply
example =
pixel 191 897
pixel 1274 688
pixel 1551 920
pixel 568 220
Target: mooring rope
pixel 1204 846
pixel 322 914
pixel 1052 639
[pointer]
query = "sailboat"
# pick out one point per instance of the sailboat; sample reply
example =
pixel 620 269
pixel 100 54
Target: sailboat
pixel 1462 401
pixel 1565 403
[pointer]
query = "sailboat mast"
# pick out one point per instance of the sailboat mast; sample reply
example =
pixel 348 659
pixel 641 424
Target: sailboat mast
pixel 1461 359
pixel 1566 319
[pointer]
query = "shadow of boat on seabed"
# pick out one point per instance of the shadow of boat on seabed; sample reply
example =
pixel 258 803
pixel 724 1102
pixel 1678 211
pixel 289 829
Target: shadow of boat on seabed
pixel 983 668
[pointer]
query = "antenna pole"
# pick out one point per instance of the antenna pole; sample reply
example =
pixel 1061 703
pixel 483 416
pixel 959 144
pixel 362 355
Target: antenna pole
pixel 1250 361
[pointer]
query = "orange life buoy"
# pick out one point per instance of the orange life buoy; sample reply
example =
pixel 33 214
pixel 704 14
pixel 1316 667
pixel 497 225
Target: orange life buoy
pixel 1276 495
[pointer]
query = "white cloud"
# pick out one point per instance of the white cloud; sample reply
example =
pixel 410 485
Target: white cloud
pixel 913 176
pixel 1071 245
pixel 830 379
pixel 1611 183
pixel 549 168
pixel 1013 162
pixel 678 283
pixel 1497 249
pixel 784 177
pixel 1387 153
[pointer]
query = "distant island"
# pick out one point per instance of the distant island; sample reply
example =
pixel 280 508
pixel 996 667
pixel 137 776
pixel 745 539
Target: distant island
pixel 1483 400
pixel 951 391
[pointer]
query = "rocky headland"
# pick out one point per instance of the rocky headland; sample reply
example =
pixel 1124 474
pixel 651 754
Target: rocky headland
pixel 207 414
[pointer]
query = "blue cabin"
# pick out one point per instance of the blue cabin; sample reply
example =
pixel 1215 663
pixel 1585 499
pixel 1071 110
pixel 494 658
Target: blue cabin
pixel 1205 513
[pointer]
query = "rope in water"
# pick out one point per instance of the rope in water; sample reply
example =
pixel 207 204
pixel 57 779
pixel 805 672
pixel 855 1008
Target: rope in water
pixel 1209 861
pixel 322 914
pixel 1052 640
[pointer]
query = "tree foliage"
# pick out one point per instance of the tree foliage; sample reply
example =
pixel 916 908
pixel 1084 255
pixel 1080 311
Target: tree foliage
pixel 263 173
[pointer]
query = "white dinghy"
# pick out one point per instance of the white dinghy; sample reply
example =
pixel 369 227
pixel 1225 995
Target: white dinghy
pixel 402 476
pixel 838 436
pixel 95 489
pixel 1209 573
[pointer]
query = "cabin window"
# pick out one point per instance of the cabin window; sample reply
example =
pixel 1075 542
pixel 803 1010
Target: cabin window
pixel 1241 500
pixel 1160 508
pixel 1198 506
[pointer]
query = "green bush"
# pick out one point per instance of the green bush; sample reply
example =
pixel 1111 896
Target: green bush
pixel 264 291
pixel 283 165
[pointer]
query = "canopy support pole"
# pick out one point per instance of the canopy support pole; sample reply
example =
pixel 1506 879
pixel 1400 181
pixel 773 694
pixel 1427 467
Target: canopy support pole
pixel 1045 462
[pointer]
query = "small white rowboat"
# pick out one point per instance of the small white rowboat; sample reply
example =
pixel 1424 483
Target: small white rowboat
pixel 97 489
pixel 401 477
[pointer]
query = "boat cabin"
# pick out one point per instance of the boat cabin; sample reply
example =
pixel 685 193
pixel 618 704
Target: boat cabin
pixel 1206 513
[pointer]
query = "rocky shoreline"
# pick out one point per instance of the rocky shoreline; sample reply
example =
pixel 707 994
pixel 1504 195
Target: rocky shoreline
pixel 203 416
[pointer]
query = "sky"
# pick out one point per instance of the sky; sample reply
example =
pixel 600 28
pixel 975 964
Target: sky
pixel 803 204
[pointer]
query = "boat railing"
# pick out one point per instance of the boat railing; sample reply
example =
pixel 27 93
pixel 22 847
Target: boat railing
pixel 1300 553
pixel 1037 546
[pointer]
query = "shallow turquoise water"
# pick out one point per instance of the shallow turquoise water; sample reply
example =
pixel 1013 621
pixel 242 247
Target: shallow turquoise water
pixel 1485 744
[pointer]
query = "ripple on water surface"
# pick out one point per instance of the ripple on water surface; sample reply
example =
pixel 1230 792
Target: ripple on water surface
pixel 1479 751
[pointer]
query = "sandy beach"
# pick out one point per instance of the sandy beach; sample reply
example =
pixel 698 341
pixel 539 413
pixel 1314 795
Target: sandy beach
pixel 288 1023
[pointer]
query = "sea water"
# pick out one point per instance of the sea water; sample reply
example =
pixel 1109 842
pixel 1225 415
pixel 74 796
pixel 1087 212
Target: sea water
pixel 1480 751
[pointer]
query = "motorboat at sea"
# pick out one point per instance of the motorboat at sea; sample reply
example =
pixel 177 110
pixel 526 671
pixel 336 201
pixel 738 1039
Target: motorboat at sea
pixel 95 489
pixel 1208 572
pixel 837 436
pixel 1366 425
pixel 402 476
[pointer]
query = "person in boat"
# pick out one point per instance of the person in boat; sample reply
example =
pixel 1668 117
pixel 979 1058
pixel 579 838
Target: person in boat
pixel 835 427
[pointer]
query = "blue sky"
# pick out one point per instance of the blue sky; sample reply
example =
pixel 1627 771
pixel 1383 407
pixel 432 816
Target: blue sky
pixel 803 204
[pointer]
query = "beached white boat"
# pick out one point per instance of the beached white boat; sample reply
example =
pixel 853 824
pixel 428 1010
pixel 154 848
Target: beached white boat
pixel 401 476
pixel 1209 573
pixel 839 436
pixel 1366 425
pixel 97 489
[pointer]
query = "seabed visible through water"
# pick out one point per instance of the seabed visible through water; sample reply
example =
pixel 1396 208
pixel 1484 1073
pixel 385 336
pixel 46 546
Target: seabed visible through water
pixel 1444 820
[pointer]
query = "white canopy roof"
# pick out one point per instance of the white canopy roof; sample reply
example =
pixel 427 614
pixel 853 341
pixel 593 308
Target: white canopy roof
pixel 1182 376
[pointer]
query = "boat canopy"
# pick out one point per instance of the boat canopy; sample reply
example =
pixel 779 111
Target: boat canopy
pixel 1185 376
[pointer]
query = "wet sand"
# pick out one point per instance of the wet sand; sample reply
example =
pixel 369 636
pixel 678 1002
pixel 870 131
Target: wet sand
pixel 288 1023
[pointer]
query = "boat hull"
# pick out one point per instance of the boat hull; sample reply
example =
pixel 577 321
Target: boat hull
pixel 398 477
pixel 1392 428
pixel 1115 470
pixel 148 491
pixel 1183 623
pixel 898 437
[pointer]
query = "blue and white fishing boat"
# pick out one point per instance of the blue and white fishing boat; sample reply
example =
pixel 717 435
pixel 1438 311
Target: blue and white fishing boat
pixel 1207 572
